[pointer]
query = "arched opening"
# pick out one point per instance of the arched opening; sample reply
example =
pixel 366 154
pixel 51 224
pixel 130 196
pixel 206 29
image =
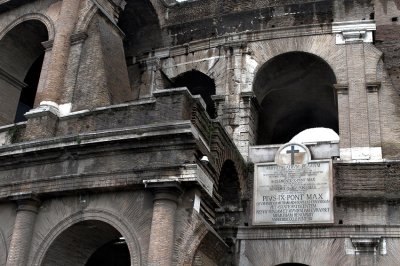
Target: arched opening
pixel 140 24
pixel 198 84
pixel 88 243
pixel 295 91
pixel 21 54
pixel 229 185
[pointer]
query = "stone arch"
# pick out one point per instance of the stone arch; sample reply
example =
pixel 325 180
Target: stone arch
pixel 31 16
pixel 295 91
pixel 22 56
pixel 141 25
pixel 198 84
pixel 323 46
pixel 208 249
pixel 212 63
pixel 104 216
pixel 226 151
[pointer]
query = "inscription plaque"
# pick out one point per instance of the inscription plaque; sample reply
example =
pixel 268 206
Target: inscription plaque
pixel 293 189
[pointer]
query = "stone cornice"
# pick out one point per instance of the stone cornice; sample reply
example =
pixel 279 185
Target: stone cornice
pixel 240 39
pixel 316 231
pixel 354 31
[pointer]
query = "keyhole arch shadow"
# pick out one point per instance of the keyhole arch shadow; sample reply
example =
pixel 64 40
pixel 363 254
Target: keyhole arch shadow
pixel 295 91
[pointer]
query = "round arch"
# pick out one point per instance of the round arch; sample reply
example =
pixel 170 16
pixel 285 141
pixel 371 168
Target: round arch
pixel 321 46
pixel 103 216
pixel 22 56
pixel 32 16
pixel 295 91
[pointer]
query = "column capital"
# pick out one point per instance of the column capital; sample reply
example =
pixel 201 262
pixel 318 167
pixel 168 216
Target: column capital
pixel 373 86
pixel 26 202
pixel 341 88
pixel 164 190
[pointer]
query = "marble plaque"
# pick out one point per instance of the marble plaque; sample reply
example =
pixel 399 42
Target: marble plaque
pixel 293 189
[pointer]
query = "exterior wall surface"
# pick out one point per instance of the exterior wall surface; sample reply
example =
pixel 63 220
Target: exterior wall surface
pixel 113 149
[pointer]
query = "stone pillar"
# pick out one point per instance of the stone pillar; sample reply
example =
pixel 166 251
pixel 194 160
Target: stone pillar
pixel 22 232
pixel 60 52
pixel 358 107
pixel 162 242
pixel 344 124
pixel 374 120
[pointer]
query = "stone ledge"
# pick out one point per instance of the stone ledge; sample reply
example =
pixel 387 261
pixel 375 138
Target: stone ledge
pixel 316 231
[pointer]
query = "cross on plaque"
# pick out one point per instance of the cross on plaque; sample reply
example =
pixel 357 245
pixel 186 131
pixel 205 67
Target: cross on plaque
pixel 292 151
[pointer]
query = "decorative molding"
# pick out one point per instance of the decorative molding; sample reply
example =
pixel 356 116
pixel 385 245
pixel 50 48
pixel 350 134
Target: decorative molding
pixel 78 37
pixel 45 107
pixel 375 245
pixel 240 39
pixel 354 31
pixel 373 86
pixel 341 88
pixel 48 45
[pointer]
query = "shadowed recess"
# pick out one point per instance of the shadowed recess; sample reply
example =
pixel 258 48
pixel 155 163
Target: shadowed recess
pixel 88 243
pixel 141 26
pixel 198 84
pixel 295 91
pixel 21 54
pixel 229 185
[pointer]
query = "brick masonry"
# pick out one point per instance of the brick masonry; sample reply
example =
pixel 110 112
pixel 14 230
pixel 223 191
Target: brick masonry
pixel 91 165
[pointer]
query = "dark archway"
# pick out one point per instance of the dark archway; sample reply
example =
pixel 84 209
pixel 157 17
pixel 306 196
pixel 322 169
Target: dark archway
pixel 139 22
pixel 229 185
pixel 21 54
pixel 296 92
pixel 198 84
pixel 88 243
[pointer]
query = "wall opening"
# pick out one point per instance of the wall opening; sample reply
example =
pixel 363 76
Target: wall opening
pixel 229 186
pixel 88 243
pixel 295 91
pixel 198 84
pixel 140 24
pixel 21 54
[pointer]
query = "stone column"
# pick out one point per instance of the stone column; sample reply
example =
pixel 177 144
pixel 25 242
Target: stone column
pixel 22 232
pixel 60 52
pixel 161 244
